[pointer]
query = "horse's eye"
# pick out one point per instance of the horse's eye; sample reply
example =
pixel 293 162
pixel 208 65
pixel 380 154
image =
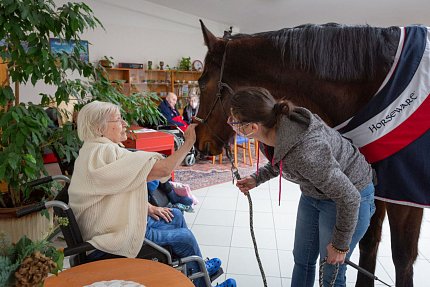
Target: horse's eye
pixel 202 85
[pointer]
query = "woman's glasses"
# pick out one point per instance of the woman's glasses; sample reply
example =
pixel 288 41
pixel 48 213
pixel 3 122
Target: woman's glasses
pixel 238 126
pixel 233 122
pixel 121 120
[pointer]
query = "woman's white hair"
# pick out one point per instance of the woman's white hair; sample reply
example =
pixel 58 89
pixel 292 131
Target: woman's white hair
pixel 93 119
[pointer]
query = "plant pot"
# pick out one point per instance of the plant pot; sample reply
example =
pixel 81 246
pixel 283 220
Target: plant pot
pixel 106 63
pixel 35 225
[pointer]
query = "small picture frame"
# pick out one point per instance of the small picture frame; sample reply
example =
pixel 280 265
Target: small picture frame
pixel 59 46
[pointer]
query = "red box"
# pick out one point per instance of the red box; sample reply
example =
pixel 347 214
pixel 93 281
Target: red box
pixel 150 140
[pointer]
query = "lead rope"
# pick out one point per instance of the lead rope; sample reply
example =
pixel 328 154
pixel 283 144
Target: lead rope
pixel 321 271
pixel 236 176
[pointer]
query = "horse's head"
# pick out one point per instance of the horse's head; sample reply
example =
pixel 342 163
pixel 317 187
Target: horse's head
pixel 238 69
pixel 213 132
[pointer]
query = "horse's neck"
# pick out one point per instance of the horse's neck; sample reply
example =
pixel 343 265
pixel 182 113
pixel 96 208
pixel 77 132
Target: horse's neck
pixel 335 102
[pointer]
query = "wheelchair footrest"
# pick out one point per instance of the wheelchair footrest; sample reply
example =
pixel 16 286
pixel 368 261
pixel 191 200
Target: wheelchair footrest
pixel 217 274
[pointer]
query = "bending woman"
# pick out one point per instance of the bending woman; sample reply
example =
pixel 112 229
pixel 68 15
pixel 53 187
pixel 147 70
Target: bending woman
pixel 335 180
pixel 108 191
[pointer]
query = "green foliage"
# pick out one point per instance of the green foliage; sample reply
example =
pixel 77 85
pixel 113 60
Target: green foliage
pixel 12 255
pixel 185 64
pixel 25 27
pixel 138 107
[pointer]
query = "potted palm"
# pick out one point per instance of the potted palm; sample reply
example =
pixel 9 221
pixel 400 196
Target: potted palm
pixel 25 29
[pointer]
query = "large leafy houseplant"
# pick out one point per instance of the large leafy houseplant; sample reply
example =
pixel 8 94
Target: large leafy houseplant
pixel 25 29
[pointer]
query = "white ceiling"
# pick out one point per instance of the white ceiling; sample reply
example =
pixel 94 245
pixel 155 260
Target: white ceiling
pixel 250 16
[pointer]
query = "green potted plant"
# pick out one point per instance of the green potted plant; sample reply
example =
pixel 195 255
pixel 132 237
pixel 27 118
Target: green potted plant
pixel 25 29
pixel 27 263
pixel 185 64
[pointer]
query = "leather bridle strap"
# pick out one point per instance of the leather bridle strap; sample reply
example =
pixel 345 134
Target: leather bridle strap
pixel 218 98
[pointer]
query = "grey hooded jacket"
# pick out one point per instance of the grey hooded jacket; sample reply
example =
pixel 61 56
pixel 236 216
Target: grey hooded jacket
pixel 323 163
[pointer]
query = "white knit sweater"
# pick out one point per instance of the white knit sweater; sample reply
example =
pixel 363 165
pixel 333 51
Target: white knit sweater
pixel 109 197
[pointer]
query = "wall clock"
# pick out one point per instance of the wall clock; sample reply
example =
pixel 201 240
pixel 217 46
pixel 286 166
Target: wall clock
pixel 197 65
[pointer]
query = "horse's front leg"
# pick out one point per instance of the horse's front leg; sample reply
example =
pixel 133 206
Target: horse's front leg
pixel 405 224
pixel 369 245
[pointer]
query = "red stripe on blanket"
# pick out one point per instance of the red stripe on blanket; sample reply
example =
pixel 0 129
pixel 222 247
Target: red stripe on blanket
pixel 408 131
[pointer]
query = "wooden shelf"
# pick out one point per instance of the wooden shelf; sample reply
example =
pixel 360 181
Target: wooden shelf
pixel 162 82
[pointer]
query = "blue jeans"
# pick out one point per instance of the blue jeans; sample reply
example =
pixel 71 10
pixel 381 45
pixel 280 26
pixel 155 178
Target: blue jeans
pixel 314 227
pixel 176 235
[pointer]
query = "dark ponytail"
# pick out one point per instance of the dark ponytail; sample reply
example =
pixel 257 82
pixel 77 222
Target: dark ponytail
pixel 257 105
pixel 283 107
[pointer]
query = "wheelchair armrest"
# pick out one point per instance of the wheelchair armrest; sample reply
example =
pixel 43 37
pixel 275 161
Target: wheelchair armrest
pixel 160 249
pixel 81 248
pixel 47 179
pixel 166 127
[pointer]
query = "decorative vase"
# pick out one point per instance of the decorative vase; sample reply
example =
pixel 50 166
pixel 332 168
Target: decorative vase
pixel 35 225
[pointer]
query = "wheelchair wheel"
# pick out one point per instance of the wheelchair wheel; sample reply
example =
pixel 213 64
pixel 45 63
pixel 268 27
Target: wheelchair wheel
pixel 190 159
pixel 178 142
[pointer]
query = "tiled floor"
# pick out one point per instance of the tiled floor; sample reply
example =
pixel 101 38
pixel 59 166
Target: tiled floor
pixel 221 226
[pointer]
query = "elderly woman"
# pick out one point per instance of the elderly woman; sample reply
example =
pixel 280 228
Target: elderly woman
pixel 191 109
pixel 108 192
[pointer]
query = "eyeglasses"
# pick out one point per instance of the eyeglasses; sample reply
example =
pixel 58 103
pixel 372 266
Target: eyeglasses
pixel 121 120
pixel 233 122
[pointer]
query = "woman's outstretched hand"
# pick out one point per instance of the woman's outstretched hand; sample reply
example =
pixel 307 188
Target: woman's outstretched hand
pixel 246 184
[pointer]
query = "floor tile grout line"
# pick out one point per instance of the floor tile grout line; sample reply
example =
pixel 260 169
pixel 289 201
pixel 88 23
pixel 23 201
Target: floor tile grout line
pixel 386 272
pixel 232 231
pixel 276 236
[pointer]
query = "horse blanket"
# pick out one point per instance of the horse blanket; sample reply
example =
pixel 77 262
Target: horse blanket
pixel 393 129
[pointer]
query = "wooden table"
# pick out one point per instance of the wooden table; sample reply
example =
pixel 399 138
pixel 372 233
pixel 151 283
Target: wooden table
pixel 146 272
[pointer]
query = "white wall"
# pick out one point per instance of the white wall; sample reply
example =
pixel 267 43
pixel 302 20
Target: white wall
pixel 137 31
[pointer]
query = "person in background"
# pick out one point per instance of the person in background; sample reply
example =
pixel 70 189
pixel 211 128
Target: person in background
pixel 337 198
pixel 168 108
pixel 108 192
pixel 191 108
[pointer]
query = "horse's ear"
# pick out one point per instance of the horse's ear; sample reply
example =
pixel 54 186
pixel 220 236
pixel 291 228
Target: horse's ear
pixel 210 39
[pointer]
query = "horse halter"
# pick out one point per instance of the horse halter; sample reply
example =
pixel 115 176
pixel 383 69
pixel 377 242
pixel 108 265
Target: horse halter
pixel 220 85
pixel 218 98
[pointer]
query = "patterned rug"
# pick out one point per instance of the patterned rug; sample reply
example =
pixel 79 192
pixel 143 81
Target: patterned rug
pixel 203 173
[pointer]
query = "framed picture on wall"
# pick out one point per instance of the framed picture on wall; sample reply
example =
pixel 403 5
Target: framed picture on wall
pixel 59 46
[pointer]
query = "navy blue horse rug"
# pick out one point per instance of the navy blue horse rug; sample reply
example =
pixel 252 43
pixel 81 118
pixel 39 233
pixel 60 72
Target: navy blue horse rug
pixel 393 129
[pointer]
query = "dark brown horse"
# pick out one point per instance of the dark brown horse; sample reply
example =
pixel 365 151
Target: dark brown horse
pixel 335 71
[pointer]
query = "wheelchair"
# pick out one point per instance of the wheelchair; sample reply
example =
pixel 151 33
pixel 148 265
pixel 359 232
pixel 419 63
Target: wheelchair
pixel 78 250
pixel 178 139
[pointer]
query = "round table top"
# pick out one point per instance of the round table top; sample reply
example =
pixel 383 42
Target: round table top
pixel 145 272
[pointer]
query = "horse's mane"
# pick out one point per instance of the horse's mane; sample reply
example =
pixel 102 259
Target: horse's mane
pixel 333 51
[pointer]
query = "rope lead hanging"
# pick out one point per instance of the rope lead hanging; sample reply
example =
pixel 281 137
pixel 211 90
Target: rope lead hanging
pixel 236 176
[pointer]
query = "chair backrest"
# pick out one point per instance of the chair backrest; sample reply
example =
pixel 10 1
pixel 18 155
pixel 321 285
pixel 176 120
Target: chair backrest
pixel 241 139
pixel 66 167
pixel 71 232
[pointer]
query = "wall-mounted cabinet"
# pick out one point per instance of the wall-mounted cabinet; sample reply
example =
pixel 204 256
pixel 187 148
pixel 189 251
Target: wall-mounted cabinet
pixel 128 81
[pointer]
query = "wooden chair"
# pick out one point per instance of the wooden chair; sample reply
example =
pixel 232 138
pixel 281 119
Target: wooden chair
pixel 245 144
pixel 239 142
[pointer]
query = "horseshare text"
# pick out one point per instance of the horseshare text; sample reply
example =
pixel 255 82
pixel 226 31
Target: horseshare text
pixel 393 114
